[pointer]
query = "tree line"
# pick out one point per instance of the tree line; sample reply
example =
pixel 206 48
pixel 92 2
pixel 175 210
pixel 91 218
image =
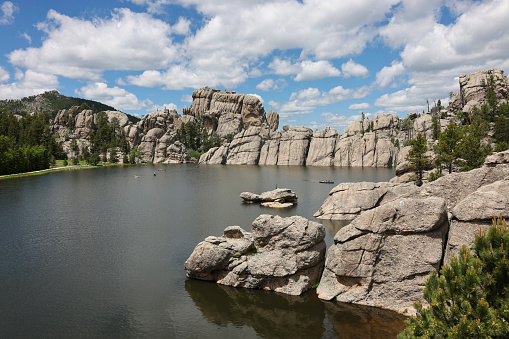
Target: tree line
pixel 27 144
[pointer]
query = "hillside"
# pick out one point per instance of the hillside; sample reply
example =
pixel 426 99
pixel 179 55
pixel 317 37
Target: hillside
pixel 52 102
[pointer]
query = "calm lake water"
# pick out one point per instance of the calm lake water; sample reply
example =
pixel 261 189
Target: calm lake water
pixel 100 254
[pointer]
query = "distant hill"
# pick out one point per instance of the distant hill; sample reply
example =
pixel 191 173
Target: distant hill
pixel 52 102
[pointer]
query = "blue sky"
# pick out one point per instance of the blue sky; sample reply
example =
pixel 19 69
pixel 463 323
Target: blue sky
pixel 317 63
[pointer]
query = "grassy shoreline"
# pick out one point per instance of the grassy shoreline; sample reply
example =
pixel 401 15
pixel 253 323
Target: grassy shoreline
pixel 59 167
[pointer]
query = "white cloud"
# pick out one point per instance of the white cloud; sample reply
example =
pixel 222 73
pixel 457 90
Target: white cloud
pixel 284 67
pixel 214 70
pixel 7 13
pixel 479 35
pixel 411 20
pixel 304 70
pixel 27 84
pixel 77 48
pixel 271 85
pixel 388 74
pixel 116 97
pixel 333 120
pixel 306 101
pixel 4 75
pixel 316 70
pixel 151 107
pixel 250 29
pixel 182 26
pixel 27 37
pixel 363 105
pixel 353 69
pixel 187 98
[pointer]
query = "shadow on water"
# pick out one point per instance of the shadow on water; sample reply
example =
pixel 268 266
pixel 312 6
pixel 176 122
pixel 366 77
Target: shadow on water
pixel 274 315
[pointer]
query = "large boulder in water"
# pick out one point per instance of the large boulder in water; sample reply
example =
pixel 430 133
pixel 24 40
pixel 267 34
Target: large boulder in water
pixel 281 254
pixel 385 255
pixel 278 194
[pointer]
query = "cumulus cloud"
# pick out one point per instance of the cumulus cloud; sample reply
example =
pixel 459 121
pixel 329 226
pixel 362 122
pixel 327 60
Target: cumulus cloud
pixel 151 107
pixel 7 13
pixel 477 39
pixel 77 48
pixel 271 85
pixel 4 75
pixel 304 70
pixel 187 98
pixel 115 96
pixel 305 101
pixel 388 74
pixel 28 83
pixel 216 70
pixel 334 120
pixel 478 35
pixel 353 69
pixel 363 105
pixel 27 38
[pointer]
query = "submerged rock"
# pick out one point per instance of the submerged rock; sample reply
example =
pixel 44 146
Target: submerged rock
pixel 280 254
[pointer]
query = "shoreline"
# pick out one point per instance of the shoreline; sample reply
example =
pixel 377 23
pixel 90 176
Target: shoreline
pixel 60 168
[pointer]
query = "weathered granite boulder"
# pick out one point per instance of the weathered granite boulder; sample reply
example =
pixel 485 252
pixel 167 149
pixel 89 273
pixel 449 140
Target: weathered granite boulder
pixel 322 147
pixel 384 256
pixel 277 195
pixel 159 119
pixel 475 213
pixel 347 200
pixel 281 254
pixel 215 156
pixel 293 145
pixel 473 89
pixel 245 147
pixel 229 123
pixel 273 120
pixel 497 159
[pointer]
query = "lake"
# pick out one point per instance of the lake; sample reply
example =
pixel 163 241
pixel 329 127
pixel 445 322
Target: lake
pixel 100 253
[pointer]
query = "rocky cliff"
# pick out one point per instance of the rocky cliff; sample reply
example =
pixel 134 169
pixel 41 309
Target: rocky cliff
pixel 373 142
pixel 473 89
pixel 401 232
pixel 250 136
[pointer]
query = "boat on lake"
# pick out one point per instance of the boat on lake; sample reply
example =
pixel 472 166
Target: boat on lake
pixel 326 182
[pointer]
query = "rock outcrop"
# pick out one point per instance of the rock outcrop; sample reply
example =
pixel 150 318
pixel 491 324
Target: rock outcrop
pixel 473 88
pixel 384 256
pixel 277 195
pixel 281 254
pixel 401 232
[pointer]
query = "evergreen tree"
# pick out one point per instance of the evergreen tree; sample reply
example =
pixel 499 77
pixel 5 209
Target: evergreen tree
pixel 446 148
pixel 417 156
pixel 435 125
pixel 470 297
pixel 470 149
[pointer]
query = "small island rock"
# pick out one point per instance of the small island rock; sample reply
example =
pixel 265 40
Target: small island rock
pixel 280 254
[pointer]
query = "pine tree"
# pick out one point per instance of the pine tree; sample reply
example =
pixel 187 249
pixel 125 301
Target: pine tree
pixel 470 148
pixel 470 297
pixel 417 155
pixel 446 148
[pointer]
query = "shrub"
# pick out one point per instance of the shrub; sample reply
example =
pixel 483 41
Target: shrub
pixel 470 297
pixel 501 146
pixel 434 175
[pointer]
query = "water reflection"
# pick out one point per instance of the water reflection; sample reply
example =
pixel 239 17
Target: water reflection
pixel 274 315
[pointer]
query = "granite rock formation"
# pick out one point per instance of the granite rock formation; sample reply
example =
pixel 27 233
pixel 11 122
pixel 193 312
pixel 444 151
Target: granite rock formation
pixel 384 256
pixel 285 194
pixel 281 254
pixel 401 232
